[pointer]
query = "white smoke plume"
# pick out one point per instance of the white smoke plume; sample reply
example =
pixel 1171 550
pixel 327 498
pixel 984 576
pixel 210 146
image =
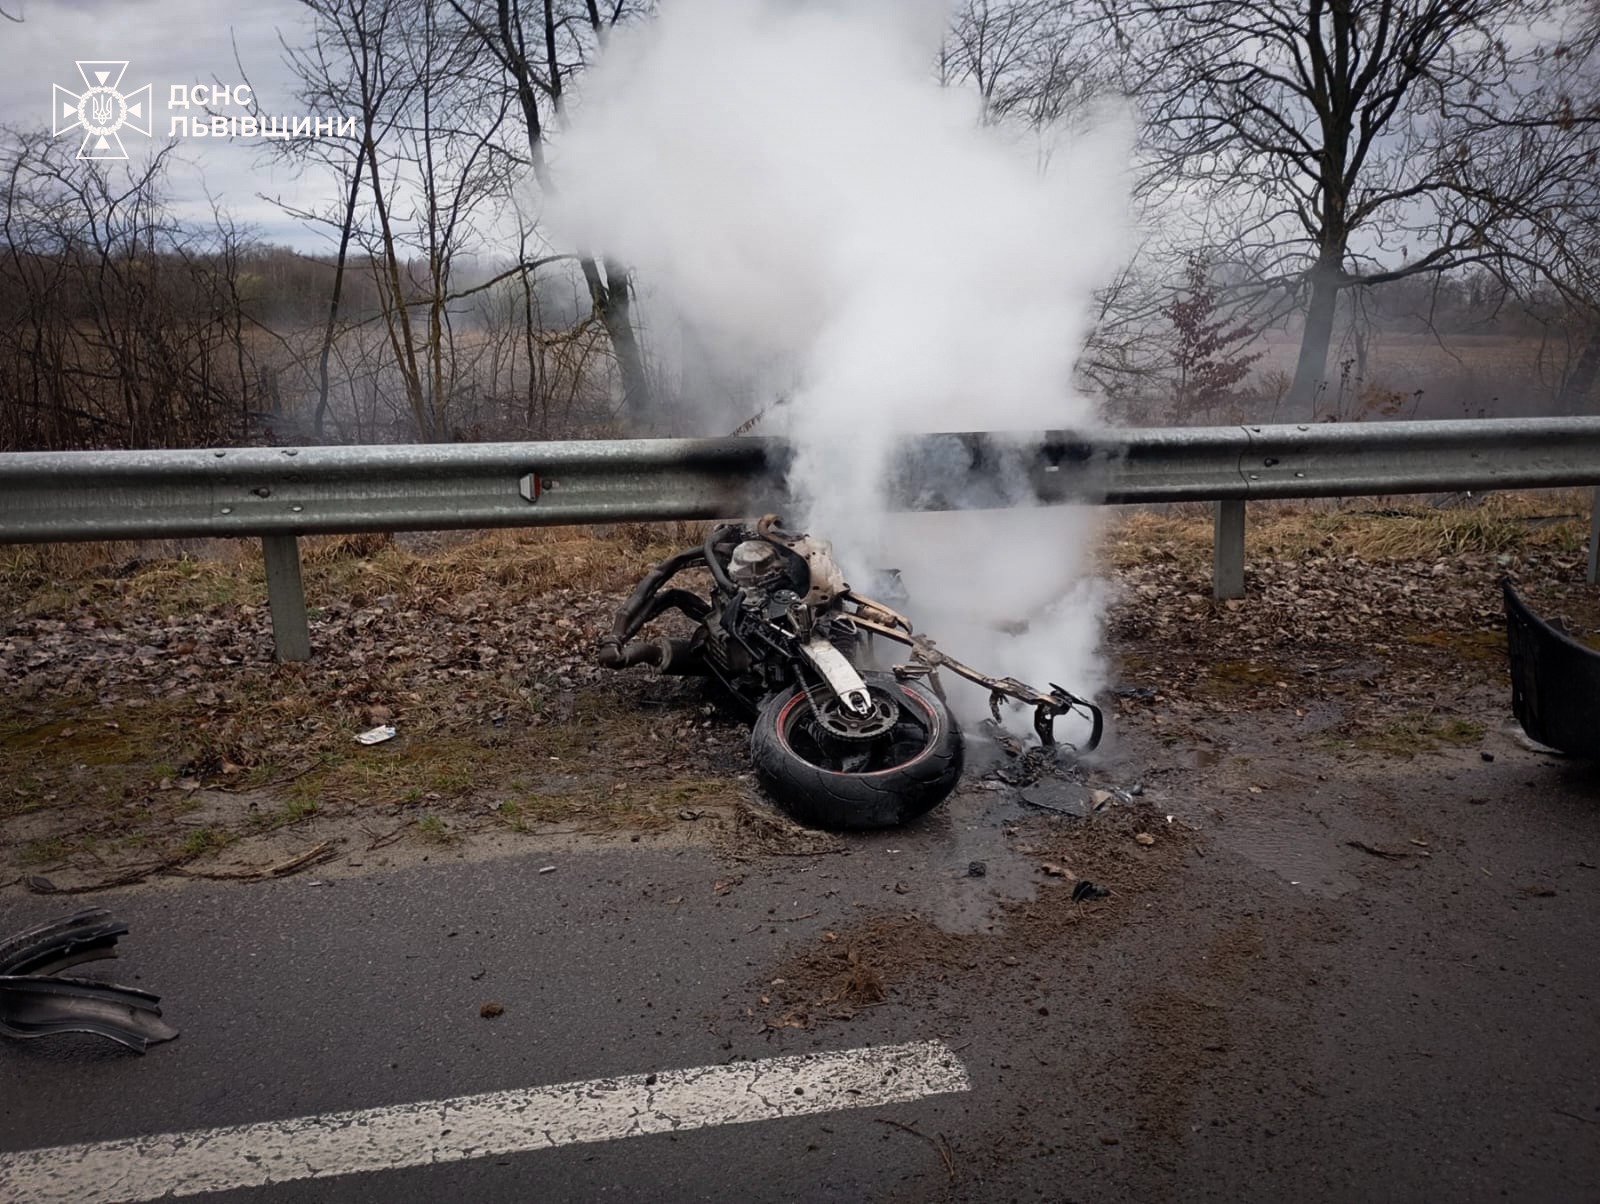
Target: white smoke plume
pixel 792 180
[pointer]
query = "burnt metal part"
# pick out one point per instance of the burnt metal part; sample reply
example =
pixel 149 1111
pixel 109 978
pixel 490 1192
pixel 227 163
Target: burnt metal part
pixel 1555 682
pixel 871 608
pixel 927 658
pixel 881 715
pixel 647 602
pixel 713 562
pixel 781 623
pixel 34 1002
pixel 827 583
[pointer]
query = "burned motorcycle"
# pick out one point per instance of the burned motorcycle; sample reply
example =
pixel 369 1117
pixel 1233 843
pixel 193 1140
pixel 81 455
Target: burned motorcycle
pixel 838 742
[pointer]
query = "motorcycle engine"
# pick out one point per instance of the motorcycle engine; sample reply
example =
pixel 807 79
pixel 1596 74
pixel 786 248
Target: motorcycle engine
pixel 755 563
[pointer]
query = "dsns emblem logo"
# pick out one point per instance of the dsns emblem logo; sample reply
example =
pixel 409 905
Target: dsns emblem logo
pixel 101 110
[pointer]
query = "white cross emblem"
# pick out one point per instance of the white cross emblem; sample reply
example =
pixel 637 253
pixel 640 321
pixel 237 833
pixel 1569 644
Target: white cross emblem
pixel 101 110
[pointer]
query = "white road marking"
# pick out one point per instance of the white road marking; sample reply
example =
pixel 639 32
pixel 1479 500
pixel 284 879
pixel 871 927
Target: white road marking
pixel 479 1126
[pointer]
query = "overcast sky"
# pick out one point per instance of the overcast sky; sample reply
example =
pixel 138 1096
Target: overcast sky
pixel 168 42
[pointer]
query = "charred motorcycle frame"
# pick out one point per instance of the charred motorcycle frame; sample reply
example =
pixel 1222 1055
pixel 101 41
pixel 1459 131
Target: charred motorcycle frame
pixel 835 740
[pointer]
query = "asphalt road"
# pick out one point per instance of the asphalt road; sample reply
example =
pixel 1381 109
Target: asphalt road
pixel 1278 1014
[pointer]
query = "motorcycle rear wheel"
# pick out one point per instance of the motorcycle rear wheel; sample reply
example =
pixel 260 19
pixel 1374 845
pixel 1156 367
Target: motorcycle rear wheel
pixel 829 784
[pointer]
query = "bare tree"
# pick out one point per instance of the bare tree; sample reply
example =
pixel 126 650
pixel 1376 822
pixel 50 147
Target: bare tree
pixel 119 326
pixel 423 175
pixel 1343 144
pixel 565 36
pixel 330 69
pixel 1031 61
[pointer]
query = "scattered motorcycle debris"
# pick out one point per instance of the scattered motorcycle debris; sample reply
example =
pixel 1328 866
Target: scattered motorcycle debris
pixel 1027 766
pixel 36 1002
pixel 1039 805
pixel 838 743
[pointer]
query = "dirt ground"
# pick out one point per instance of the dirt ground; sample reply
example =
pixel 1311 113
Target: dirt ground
pixel 146 732
pixel 1313 922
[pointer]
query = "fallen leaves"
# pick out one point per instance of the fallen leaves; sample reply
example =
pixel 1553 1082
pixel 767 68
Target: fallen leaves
pixel 126 711
pixel 130 695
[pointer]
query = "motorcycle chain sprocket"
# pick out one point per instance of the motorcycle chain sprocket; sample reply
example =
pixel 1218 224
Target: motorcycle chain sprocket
pixel 830 716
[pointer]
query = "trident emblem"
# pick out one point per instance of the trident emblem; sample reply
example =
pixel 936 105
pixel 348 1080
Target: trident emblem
pixel 101 109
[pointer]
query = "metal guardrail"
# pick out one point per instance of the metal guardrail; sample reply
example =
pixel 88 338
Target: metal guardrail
pixel 281 493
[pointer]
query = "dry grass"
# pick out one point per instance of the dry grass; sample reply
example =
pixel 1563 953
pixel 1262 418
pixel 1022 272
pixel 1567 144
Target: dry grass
pixel 94 786
pixel 1416 731
pixel 91 755
pixel 610 559
pixel 184 578
pixel 175 577
pixel 1418 354
pixel 1367 529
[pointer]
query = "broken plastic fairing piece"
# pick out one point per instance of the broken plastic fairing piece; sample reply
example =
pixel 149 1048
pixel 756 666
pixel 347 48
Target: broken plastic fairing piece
pixel 34 1002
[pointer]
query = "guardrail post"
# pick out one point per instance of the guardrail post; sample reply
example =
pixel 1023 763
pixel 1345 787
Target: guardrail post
pixel 1227 551
pixel 291 639
pixel 1594 537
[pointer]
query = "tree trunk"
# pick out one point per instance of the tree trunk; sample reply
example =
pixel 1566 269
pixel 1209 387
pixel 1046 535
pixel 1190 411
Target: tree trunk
pixel 617 314
pixel 1576 388
pixel 1311 369
pixel 538 418
pixel 345 230
pixel 609 296
pixel 400 336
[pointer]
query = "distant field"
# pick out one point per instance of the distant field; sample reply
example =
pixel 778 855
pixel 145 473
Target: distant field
pixel 1462 376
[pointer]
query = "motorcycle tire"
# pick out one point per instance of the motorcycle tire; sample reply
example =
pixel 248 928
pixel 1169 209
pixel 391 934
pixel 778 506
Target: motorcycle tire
pixel 923 765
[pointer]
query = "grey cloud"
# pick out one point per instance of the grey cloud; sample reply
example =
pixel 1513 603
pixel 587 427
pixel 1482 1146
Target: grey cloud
pixel 168 42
